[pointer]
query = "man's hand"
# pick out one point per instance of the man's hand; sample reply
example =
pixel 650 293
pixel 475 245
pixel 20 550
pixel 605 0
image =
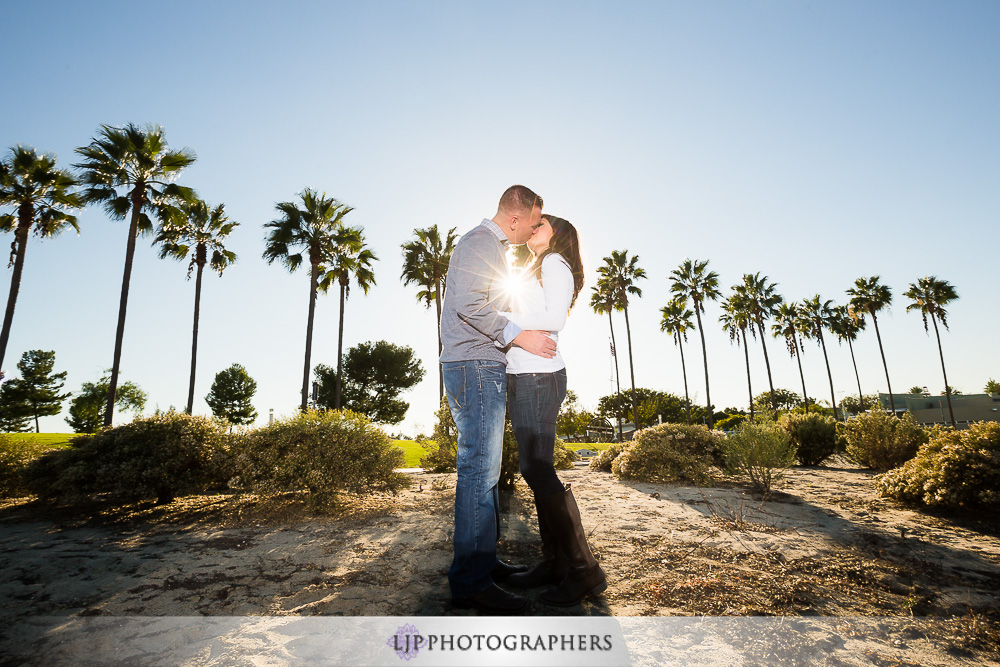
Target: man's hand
pixel 536 342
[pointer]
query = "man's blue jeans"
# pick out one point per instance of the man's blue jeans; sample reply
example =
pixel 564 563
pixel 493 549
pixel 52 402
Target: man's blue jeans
pixel 477 396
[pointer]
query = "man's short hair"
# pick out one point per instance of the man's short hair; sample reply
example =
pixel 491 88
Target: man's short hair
pixel 519 199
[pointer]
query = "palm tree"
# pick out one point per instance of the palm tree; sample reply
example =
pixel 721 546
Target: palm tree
pixel 816 316
pixel 603 301
pixel 129 169
pixel 677 321
pixel 620 273
pixel 846 326
pixel 425 263
pixel 349 257
pixel 868 296
pixel 312 230
pixel 40 193
pixel 736 318
pixel 930 295
pixel 692 281
pixel 762 300
pixel 203 229
pixel 786 324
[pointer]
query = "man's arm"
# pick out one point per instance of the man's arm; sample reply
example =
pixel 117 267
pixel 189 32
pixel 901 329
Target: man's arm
pixel 536 342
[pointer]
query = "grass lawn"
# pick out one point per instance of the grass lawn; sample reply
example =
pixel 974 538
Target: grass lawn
pixel 43 440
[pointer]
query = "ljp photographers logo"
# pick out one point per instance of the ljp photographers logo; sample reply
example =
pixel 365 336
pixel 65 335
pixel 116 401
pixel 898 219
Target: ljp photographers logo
pixel 405 643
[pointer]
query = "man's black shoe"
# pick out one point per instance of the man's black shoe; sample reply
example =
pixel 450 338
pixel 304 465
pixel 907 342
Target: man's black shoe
pixel 493 600
pixel 503 570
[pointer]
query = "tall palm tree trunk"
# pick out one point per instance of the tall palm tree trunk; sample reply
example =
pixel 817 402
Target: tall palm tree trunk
pixel 631 368
pixel 437 302
pixel 746 355
pixel 767 362
pixel 704 354
pixel 618 382
pixel 21 237
pixel 133 232
pixel 947 387
pixel 313 281
pixel 194 329
pixel 892 401
pixel 861 397
pixel 802 377
pixel 829 375
pixel 340 348
pixel 687 397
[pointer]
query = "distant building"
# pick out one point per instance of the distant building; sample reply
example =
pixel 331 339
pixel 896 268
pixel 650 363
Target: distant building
pixel 929 410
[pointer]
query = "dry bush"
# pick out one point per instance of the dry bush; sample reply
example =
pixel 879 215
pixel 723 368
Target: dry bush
pixel 882 441
pixel 670 452
pixel 956 469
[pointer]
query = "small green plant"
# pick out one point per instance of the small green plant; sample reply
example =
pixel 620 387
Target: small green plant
pixel 762 452
pixel 159 457
pixel 882 441
pixel 815 436
pixel 956 469
pixel 322 453
pixel 670 452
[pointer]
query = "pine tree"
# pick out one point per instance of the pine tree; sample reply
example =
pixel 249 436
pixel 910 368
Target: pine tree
pixel 231 393
pixel 36 393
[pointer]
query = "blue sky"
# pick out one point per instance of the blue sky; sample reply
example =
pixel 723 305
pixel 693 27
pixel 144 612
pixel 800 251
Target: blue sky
pixel 812 142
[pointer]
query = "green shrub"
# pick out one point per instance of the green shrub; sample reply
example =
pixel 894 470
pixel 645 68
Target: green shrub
pixel 14 456
pixel 323 453
pixel 956 469
pixel 157 457
pixel 761 452
pixel 882 441
pixel 670 452
pixel 731 422
pixel 563 457
pixel 814 435
pixel 604 459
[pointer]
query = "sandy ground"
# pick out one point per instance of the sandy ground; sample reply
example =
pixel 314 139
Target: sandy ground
pixel 879 584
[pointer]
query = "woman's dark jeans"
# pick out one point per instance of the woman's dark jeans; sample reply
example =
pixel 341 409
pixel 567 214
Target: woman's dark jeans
pixel 533 401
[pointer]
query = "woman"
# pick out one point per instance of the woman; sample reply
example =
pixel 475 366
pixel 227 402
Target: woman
pixel 535 389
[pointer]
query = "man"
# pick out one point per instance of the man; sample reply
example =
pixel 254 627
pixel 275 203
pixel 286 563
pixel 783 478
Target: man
pixel 473 335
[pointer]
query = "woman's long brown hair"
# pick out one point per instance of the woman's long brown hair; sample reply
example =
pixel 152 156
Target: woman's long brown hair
pixel 566 243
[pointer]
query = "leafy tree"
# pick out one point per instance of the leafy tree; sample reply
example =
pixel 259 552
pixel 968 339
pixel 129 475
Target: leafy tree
pixel 312 230
pixel 231 394
pixel 202 229
pixel 762 300
pixel 652 403
pixel 930 295
pixel 37 390
pixel 88 406
pixel 786 324
pixel 620 273
pixel 782 400
pixel 855 405
pixel 992 387
pixel 692 281
pixel 816 316
pixel 602 301
pixel 845 326
pixel 129 170
pixel 952 390
pixel 350 258
pixel 374 374
pixel 916 389
pixel 737 318
pixel 677 321
pixel 425 263
pixel 42 197
pixel 871 297
pixel 573 419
